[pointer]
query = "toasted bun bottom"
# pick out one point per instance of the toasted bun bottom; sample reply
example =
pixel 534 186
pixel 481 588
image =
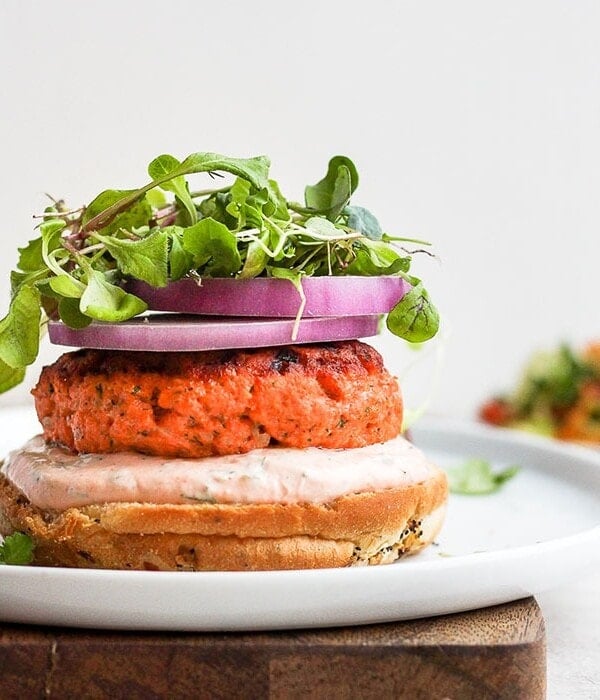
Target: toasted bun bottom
pixel 358 529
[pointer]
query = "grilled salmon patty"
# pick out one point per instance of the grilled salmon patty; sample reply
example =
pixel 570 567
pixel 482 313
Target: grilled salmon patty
pixel 195 404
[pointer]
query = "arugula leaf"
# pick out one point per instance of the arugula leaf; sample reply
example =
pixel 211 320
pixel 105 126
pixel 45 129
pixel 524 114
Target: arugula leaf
pixel 331 195
pixel 138 213
pixel 20 328
pixel 156 198
pixel 214 248
pixel 30 256
pixel 322 227
pixel 180 261
pixel 17 279
pixel 10 376
pixel 27 279
pixel 375 258
pixel 51 232
pixel 16 549
pixel 253 169
pixel 215 207
pixel 256 257
pixel 414 317
pixel 249 207
pixel 70 313
pixel 239 208
pixel 67 286
pixel 365 265
pixel 475 477
pixel 283 273
pixel 104 301
pixel 165 164
pixel 145 259
pixel 280 211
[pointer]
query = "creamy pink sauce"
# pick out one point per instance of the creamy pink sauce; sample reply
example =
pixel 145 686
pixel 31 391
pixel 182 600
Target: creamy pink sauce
pixel 54 479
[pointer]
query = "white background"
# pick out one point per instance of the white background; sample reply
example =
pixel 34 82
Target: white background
pixel 474 125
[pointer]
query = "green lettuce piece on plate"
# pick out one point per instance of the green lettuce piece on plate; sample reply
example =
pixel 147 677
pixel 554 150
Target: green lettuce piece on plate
pixel 476 478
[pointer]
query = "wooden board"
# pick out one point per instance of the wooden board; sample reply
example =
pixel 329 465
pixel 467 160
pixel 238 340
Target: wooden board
pixel 496 652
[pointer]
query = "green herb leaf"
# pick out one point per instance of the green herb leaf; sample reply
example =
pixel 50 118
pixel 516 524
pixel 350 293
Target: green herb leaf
pixel 70 313
pixel 10 376
pixel 249 207
pixel 215 207
pixel 17 279
pixel 331 195
pixel 20 328
pixel 284 273
pixel 375 258
pixel 180 261
pixel 66 286
pixel 104 301
pixel 156 198
pixel 361 220
pixel 30 257
pixel 475 477
pixel 238 206
pixel 253 169
pixel 16 549
pixel 414 317
pixel 280 212
pixel 145 259
pixel 256 257
pixel 161 167
pixel 27 279
pixel 214 248
pixel 323 227
pixel 138 213
pixel 51 232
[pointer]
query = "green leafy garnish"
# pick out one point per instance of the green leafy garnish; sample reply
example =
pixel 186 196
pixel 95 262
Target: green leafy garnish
pixel 104 301
pixel 137 214
pixel 475 477
pixel 19 330
pixel 213 247
pixel 331 194
pixel 76 268
pixel 361 219
pixel 16 549
pixel 162 166
pixel 414 317
pixel 145 259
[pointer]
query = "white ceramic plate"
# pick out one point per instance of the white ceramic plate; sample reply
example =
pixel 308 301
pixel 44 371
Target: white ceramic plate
pixel 541 531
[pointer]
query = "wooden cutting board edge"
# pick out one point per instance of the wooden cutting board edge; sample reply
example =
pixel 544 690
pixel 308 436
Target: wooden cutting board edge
pixel 496 652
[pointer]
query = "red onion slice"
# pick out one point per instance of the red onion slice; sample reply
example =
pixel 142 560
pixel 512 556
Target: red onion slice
pixel 275 298
pixel 170 332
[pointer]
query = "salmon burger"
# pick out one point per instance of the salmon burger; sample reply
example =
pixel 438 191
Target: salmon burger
pixel 220 411
pixel 272 458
